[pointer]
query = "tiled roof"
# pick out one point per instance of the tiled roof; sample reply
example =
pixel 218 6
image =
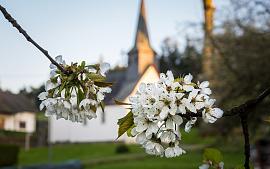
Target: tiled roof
pixel 13 103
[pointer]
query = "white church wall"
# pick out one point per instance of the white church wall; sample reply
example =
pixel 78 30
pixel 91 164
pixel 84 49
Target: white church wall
pixel 93 131
pixel 150 75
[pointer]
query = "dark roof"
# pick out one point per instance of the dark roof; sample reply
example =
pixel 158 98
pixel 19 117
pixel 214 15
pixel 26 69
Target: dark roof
pixel 121 87
pixel 13 103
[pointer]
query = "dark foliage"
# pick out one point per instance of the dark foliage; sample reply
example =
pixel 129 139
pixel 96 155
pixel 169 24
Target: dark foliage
pixel 180 63
pixel 121 149
pixel 9 155
pixel 242 61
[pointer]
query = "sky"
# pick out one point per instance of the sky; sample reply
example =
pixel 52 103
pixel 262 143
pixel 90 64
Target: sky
pixel 90 30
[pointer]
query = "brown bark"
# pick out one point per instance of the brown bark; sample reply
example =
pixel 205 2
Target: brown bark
pixel 209 10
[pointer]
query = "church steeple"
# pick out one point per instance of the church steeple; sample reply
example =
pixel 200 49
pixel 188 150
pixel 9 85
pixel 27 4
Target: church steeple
pixel 141 55
pixel 142 37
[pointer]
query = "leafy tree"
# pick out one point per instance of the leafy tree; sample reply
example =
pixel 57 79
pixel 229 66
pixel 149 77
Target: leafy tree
pixel 188 61
pixel 241 62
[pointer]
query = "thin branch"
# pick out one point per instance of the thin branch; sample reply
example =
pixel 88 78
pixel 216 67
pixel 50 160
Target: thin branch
pixel 248 105
pixel 243 111
pixel 245 107
pixel 244 123
pixel 28 38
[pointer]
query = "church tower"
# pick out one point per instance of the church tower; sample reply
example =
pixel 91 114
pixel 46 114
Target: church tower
pixel 141 55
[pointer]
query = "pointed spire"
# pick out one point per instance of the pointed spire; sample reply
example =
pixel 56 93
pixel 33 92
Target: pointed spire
pixel 141 55
pixel 142 37
pixel 142 32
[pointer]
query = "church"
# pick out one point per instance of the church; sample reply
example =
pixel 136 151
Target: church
pixel 142 67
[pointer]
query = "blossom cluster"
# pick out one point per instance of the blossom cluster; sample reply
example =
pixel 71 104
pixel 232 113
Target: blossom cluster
pixel 159 109
pixel 209 164
pixel 76 94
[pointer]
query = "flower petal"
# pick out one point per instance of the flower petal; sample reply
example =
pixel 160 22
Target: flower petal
pixel 177 119
pixel 204 84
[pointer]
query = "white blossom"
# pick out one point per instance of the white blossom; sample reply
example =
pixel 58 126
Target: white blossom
pixel 104 67
pixel 159 109
pixel 210 163
pixel 189 124
pixel 210 114
pixel 204 166
pixel 174 151
pixel 154 148
pixel 71 102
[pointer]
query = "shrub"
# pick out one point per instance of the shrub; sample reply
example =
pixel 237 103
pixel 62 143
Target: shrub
pixel 121 149
pixel 9 155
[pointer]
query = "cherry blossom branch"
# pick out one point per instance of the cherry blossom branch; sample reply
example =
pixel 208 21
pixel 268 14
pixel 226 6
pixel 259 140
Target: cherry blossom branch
pixel 243 111
pixel 244 108
pixel 29 39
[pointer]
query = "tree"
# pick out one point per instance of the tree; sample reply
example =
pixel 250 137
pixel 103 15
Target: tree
pixel 180 63
pixel 242 57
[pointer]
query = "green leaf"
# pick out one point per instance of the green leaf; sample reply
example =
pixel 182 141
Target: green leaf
pixel 179 79
pixel 54 79
pixel 120 102
pixel 62 87
pixel 96 77
pixel 102 105
pixel 80 95
pixel 125 124
pixel 241 166
pixel 83 64
pixel 129 131
pixel 212 154
pixel 103 84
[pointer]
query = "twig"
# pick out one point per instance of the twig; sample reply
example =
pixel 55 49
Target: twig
pixel 244 123
pixel 28 38
pixel 243 111
pixel 245 107
pixel 248 105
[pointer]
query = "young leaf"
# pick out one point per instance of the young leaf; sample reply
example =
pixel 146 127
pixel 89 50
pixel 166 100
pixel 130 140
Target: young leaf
pixel 102 105
pixel 129 131
pixel 212 154
pixel 103 84
pixel 83 64
pixel 80 95
pixel 125 124
pixel 96 77
pixel 121 103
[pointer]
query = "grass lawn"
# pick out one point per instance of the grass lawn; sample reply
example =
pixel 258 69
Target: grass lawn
pixel 103 155
pixel 191 160
pixel 71 151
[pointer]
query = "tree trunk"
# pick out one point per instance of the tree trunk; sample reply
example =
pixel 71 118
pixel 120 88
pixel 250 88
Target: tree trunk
pixel 209 10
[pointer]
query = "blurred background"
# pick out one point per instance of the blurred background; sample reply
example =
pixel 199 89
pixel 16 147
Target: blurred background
pixel 225 42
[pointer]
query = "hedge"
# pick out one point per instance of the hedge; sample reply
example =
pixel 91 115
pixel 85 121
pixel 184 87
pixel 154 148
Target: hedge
pixel 8 155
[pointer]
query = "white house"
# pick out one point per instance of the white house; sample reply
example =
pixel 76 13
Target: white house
pixel 17 113
pixel 141 68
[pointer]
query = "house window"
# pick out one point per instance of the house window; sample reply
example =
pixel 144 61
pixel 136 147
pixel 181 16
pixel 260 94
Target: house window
pixel 22 125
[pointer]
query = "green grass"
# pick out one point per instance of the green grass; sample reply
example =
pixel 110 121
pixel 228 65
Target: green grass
pixel 103 156
pixel 191 160
pixel 193 138
pixel 71 151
